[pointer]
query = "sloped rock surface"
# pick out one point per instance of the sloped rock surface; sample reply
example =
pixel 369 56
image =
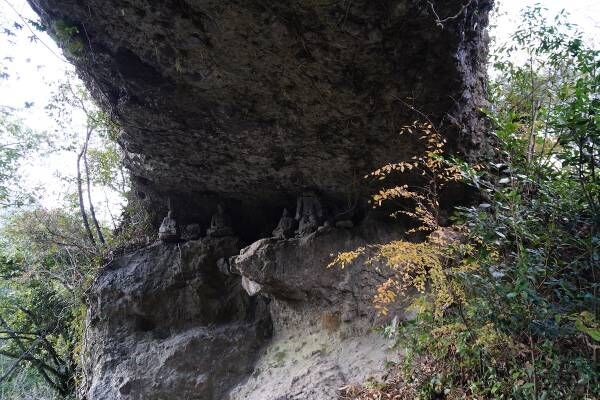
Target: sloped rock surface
pixel 322 318
pixel 308 362
pixel 253 101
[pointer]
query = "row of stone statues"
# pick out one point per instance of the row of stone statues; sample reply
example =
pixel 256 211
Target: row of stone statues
pixel 220 226
pixel 309 217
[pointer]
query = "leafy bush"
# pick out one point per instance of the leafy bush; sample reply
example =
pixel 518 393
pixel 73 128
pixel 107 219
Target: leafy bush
pixel 49 257
pixel 46 266
pixel 16 142
pixel 520 320
pixel 24 385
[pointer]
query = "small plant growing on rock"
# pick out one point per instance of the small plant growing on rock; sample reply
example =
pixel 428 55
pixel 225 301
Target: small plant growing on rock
pixel 419 201
pixel 67 35
pixel 415 266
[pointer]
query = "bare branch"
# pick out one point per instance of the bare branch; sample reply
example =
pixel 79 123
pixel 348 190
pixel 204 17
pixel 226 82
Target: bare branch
pixel 439 21
pixel 18 360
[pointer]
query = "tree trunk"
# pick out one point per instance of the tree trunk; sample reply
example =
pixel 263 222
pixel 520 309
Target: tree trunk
pixel 89 192
pixel 86 223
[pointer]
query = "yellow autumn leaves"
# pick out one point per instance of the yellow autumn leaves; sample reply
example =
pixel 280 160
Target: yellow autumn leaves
pixel 424 266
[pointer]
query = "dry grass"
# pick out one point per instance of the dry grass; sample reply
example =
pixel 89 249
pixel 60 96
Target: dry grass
pixel 331 321
pixel 398 386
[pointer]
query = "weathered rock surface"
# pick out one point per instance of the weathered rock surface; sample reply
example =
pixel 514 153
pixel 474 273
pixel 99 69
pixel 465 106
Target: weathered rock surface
pixel 165 324
pixel 251 102
pixel 295 269
pixel 322 318
pixel 172 322
pixel 310 362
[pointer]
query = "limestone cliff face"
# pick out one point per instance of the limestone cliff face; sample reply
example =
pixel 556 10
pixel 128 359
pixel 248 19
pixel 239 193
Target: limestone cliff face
pixel 172 321
pixel 251 103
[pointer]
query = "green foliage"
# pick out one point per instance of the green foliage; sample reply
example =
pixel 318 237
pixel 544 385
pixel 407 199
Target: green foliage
pixel 16 142
pixel 106 167
pixel 546 109
pixel 46 267
pixel 25 384
pixel 522 321
pixel 47 262
pixel 103 153
pixel 67 35
pixel 35 327
pixel 135 229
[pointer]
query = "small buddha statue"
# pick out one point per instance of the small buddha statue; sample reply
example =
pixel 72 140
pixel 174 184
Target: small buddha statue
pixel 286 226
pixel 309 213
pixel 220 224
pixel 168 231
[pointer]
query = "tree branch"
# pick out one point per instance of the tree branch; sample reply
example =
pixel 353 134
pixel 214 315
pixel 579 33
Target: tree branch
pixel 40 365
pixel 440 22
pixel 16 363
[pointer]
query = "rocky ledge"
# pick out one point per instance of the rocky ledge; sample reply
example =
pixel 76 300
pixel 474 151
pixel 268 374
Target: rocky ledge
pixel 165 324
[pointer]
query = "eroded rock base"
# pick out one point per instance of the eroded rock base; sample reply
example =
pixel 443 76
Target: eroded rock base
pixel 173 321
pixel 165 324
pixel 314 360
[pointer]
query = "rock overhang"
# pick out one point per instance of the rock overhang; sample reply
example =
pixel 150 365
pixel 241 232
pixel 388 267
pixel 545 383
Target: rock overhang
pixel 252 102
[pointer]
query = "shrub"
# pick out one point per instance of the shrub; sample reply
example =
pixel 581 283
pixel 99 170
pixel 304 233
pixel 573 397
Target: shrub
pixel 511 309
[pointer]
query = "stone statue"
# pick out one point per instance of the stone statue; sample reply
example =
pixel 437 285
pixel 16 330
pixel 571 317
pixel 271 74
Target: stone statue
pixel 285 227
pixel 168 231
pixel 220 224
pixel 309 213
